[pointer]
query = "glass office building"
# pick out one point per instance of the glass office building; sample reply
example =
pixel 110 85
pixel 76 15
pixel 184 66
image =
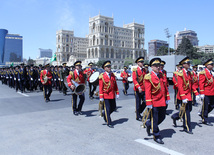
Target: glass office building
pixel 3 34
pixel 13 47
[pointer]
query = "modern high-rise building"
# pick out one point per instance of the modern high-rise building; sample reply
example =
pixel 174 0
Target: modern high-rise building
pixel 191 35
pixel 70 48
pixel 109 42
pixel 45 53
pixel 154 45
pixel 10 47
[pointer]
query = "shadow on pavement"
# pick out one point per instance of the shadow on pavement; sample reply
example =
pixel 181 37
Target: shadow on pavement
pixel 167 133
pixel 118 107
pixel 168 112
pixel 194 124
pixel 89 113
pixel 56 100
pixel 120 121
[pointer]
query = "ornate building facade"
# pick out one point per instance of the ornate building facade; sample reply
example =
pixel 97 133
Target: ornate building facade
pixel 70 48
pixel 109 42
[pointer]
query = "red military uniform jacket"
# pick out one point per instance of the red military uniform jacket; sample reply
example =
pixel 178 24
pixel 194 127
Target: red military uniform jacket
pixel 49 76
pixel 155 90
pixel 206 83
pixel 73 75
pixel 88 72
pixel 185 85
pixel 107 87
pixel 175 81
pixel 125 76
pixel 138 78
pixel 195 79
pixel 165 77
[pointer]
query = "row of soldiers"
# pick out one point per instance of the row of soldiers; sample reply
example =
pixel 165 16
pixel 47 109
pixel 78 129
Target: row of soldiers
pixel 27 77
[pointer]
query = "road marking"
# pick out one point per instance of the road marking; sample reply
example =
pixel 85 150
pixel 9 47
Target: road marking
pixel 158 147
pixel 23 94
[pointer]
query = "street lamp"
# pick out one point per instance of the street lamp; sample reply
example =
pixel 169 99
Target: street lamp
pixel 168 36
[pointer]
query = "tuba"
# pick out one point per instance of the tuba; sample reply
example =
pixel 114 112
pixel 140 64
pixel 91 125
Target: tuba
pixel 79 88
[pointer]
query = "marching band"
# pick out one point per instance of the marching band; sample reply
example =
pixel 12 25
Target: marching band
pixel 151 89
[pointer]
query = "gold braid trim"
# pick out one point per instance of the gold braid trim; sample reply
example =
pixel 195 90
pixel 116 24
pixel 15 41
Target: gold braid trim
pixel 156 88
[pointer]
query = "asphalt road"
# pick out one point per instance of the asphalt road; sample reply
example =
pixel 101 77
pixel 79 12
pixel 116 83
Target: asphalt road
pixel 31 126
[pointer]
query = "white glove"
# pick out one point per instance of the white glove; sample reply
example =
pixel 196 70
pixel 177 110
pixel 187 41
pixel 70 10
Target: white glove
pixel 54 79
pixel 31 79
pixel 14 78
pixel 18 79
pixel 202 96
pixel 101 99
pixel 38 79
pixel 61 79
pixel 149 106
pixel 185 100
pixel 117 96
pixel 197 98
pixel 167 101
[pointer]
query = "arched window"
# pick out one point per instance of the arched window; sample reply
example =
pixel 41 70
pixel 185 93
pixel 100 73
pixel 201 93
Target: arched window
pixel 106 27
pixel 106 40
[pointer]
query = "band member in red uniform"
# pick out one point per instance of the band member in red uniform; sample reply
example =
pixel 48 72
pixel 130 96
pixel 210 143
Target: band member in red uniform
pixel 206 85
pixel 195 83
pixel 76 76
pixel 45 78
pixel 185 88
pixel 125 81
pixel 177 99
pixel 157 96
pixel 89 71
pixel 108 91
pixel 138 78
pixel 146 66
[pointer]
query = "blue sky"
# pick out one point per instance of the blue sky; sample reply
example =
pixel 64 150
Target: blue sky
pixel 38 20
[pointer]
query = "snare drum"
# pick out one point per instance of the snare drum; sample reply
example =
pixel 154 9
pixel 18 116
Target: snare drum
pixel 130 80
pixel 94 79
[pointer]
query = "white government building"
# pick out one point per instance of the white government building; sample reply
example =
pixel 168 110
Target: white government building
pixel 104 42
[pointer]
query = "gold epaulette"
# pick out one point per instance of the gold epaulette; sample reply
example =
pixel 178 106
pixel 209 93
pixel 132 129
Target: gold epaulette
pixel 42 71
pixel 134 69
pixel 180 73
pixel 191 73
pixel 175 73
pixel 71 73
pixel 147 76
pixel 202 72
pixel 101 76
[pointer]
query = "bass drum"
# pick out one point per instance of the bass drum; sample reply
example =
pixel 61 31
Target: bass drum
pixel 130 80
pixel 94 78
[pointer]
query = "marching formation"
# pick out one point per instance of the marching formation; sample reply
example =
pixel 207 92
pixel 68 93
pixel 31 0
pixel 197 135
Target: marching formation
pixel 151 89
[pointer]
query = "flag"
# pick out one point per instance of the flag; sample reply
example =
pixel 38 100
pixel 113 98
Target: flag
pixel 11 65
pixel 53 58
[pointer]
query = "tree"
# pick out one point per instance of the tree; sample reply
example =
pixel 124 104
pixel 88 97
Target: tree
pixel 196 61
pixel 128 62
pixel 186 48
pixel 30 61
pixel 100 63
pixel 163 50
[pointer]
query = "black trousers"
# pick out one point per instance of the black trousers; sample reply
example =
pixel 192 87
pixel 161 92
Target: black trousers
pixel 126 87
pixel 186 117
pixel 140 103
pixel 91 91
pixel 207 107
pixel 109 107
pixel 47 90
pixel 74 102
pixel 158 115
